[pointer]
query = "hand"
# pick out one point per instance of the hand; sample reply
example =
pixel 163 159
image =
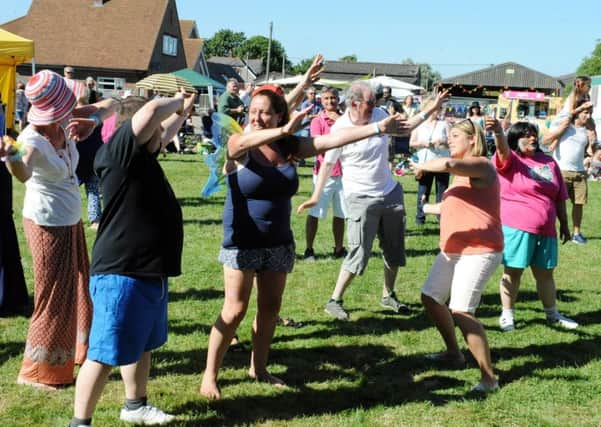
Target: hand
pixel 564 233
pixel 80 128
pixel 188 101
pixel 394 124
pixel 314 71
pixel 492 124
pixel 7 146
pixel 307 205
pixel 296 120
pixel 442 97
pixel 416 169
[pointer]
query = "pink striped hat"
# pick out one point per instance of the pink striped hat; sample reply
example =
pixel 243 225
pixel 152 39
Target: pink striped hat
pixel 50 97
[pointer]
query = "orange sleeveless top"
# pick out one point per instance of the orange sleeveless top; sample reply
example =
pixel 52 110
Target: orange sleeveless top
pixel 470 218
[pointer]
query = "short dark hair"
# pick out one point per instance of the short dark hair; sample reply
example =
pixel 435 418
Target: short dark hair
pixel 520 130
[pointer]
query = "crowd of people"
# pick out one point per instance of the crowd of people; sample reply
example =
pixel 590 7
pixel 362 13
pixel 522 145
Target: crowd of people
pixel 499 209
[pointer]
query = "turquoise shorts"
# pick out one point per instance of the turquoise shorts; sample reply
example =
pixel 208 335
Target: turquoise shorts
pixel 523 249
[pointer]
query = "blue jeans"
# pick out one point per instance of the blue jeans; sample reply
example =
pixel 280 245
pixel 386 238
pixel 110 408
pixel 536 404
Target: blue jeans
pixel 93 193
pixel 424 188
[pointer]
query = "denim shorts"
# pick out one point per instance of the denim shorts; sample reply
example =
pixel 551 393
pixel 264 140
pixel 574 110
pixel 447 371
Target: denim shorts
pixel 278 258
pixel 129 318
pixel 523 249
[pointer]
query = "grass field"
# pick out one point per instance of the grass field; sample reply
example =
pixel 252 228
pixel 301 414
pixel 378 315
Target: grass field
pixel 369 371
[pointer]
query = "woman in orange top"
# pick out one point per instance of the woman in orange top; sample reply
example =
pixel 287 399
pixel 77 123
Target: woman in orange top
pixel 471 246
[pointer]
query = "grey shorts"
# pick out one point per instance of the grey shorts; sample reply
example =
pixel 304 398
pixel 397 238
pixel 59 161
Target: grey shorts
pixel 368 216
pixel 278 258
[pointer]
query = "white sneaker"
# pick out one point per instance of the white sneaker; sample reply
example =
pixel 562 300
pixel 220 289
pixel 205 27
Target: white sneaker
pixel 147 415
pixel 486 388
pixel 506 323
pixel 562 321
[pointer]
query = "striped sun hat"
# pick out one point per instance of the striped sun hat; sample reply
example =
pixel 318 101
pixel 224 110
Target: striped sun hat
pixel 50 97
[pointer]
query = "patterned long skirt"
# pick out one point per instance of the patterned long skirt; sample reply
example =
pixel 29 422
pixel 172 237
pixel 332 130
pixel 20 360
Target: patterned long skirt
pixel 59 327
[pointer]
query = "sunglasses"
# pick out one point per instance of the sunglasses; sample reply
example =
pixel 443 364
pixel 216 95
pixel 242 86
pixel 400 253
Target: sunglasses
pixel 466 120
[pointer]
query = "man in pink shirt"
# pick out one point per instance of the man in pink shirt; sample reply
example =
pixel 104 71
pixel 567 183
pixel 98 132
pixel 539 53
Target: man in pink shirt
pixel 332 193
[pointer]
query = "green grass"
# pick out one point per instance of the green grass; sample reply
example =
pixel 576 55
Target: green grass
pixel 353 373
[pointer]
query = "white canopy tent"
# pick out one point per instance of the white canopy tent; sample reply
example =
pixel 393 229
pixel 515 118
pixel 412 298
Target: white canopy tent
pixel 400 89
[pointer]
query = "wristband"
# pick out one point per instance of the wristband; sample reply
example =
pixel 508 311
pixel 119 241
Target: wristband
pixel 15 157
pixel 377 128
pixel 97 121
pixel 423 115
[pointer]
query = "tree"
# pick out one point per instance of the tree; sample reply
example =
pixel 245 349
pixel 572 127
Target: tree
pixel 256 47
pixel 591 65
pixel 303 66
pixel 349 58
pixel 223 43
pixel 427 75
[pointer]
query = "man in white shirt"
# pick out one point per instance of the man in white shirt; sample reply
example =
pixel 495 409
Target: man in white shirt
pixel 569 140
pixel 374 199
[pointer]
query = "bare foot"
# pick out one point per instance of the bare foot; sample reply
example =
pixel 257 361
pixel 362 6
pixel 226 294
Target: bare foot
pixel 209 389
pixel 267 378
pixel 41 386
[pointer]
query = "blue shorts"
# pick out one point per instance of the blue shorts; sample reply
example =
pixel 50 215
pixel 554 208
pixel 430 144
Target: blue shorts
pixel 129 317
pixel 523 249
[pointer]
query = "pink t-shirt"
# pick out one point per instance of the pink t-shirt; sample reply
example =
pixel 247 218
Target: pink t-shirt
pixel 321 125
pixel 108 128
pixel 530 188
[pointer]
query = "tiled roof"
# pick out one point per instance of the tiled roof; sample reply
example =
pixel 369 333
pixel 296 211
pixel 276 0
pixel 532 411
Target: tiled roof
pixel 341 70
pixel 226 60
pixel 509 74
pixel 222 72
pixel 121 34
pixel 192 47
pixel 188 28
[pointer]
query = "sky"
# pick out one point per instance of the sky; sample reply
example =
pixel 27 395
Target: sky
pixel 552 36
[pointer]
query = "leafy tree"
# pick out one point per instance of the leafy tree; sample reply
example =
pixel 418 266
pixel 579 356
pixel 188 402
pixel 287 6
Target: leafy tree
pixel 223 43
pixel 256 47
pixel 302 66
pixel 591 65
pixel 349 58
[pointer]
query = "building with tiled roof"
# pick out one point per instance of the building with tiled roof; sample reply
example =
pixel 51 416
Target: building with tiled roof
pixel 117 42
pixel 508 75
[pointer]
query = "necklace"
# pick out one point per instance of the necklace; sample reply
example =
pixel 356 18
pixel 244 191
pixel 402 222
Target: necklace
pixel 59 152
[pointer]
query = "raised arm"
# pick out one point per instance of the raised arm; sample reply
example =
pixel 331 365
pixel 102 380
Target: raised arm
pixel 295 96
pixel 19 165
pixel 502 147
pixel 148 118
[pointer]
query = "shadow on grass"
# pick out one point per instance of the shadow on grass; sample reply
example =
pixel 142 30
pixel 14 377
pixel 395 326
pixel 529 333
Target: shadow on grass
pixel 9 350
pixel 373 375
pixel 199 201
pixel 195 294
pixel 206 221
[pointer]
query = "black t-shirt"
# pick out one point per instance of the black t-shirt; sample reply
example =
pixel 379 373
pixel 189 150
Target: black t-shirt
pixel 141 228
pixel 87 151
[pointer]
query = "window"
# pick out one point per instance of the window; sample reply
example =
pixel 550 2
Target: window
pixel 169 45
pixel 109 86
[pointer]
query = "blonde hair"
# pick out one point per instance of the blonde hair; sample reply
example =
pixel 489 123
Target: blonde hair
pixel 474 130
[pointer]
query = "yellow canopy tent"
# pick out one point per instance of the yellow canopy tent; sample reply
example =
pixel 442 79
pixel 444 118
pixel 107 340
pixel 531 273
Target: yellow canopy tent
pixel 13 50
